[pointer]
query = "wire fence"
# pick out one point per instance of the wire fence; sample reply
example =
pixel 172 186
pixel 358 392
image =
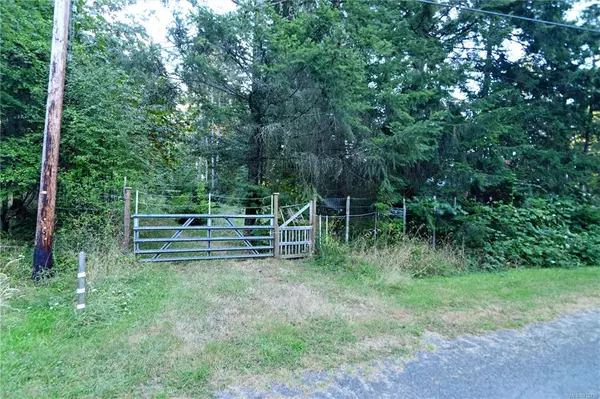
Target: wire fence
pixel 339 218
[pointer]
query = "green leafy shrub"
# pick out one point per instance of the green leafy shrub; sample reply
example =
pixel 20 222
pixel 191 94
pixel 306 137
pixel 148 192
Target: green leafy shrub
pixel 389 227
pixel 540 233
pixel 333 256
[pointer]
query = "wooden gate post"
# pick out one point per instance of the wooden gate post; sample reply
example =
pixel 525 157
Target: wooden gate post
pixel 276 225
pixel 209 223
pixel 313 223
pixel 126 218
pixel 136 224
pixel 347 219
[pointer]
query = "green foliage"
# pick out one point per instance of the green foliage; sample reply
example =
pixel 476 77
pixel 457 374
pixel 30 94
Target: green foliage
pixel 119 116
pixel 552 232
pixel 330 98
pixel 333 256
pixel 542 233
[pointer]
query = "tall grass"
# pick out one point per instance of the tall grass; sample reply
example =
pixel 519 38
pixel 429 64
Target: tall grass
pixel 100 237
pixel 6 291
pixel 11 254
pixel 413 256
pixel 392 264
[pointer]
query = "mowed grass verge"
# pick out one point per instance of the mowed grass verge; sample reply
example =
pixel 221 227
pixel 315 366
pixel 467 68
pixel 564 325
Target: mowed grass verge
pixel 189 329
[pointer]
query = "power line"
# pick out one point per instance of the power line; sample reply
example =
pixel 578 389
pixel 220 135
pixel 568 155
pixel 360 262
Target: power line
pixel 499 14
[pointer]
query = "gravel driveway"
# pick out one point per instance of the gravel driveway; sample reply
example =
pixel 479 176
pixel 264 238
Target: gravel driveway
pixel 558 359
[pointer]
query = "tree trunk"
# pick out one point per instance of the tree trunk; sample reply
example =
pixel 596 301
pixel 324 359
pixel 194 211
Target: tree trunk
pixel 487 68
pixel 256 104
pixel 588 131
pixel 3 224
pixel 256 158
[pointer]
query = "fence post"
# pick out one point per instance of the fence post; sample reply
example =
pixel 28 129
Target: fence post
pixel 375 231
pixel 320 232
pixel 209 222
pixel 327 229
pixel 434 220
pixel 403 218
pixel 276 225
pixel 136 224
pixel 126 218
pixel 313 223
pixel 347 220
pixel 81 283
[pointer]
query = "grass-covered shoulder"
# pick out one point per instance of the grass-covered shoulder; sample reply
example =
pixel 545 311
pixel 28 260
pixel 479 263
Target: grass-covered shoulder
pixel 189 329
pixel 50 351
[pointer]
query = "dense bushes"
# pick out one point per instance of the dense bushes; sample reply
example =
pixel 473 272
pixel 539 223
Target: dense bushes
pixel 539 232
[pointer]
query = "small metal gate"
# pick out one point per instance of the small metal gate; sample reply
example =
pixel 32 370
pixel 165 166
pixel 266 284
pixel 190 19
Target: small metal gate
pixel 296 234
pixel 181 237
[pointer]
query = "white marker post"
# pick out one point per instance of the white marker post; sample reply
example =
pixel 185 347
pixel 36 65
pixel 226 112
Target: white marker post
pixel 81 283
pixel 347 238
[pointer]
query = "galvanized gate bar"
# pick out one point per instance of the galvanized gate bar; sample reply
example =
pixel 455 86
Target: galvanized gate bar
pixel 198 216
pixel 151 228
pixel 176 259
pixel 177 234
pixel 161 254
pixel 194 239
pixel 237 232
pixel 211 249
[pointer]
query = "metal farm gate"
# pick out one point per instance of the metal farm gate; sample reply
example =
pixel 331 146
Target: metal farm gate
pixel 188 237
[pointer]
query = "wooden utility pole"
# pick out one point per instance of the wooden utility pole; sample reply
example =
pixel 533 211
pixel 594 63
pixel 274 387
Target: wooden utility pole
pixel 44 231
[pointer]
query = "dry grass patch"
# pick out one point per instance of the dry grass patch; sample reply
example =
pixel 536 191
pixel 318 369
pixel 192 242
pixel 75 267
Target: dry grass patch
pixel 267 318
pixel 493 317
pixel 384 345
pixel 396 264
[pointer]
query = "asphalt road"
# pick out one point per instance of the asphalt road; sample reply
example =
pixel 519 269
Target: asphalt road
pixel 558 359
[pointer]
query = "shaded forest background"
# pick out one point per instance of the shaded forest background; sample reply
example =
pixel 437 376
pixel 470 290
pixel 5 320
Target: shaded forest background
pixel 383 100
